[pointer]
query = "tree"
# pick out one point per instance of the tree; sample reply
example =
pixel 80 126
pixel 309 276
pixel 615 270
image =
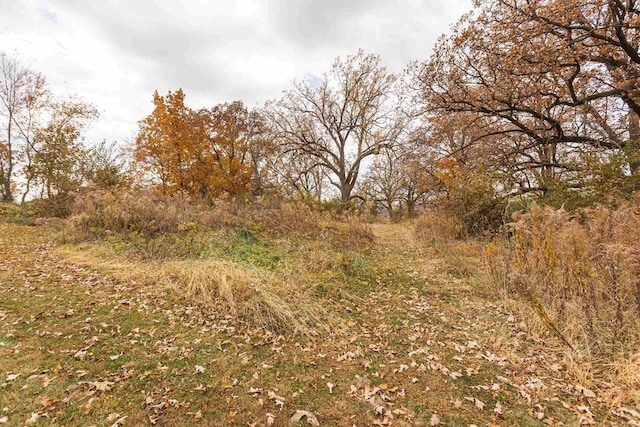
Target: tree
pixel 539 81
pixel 349 115
pixel 165 141
pixel 224 162
pixel 105 166
pixel 58 155
pixel 22 95
pixel 204 153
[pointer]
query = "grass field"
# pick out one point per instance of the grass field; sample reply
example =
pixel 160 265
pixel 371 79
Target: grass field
pixel 404 335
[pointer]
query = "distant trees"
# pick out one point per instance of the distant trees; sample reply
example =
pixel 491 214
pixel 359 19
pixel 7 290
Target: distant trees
pixel 40 138
pixel 57 155
pixel 338 121
pixel 402 178
pixel 524 99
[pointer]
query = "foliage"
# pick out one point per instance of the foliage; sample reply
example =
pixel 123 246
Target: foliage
pixel 570 108
pixel 58 155
pixel 203 153
pixel 23 94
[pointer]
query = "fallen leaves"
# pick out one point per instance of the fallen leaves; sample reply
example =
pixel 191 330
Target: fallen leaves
pixel 32 419
pixel 477 402
pixel 279 400
pixel 116 419
pixel 12 377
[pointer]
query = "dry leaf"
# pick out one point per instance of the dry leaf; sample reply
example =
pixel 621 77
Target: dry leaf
pixel 434 421
pixel 585 391
pixel 498 408
pixel 311 419
pixel 33 419
pixel 119 421
pixel 270 419
pixel 12 377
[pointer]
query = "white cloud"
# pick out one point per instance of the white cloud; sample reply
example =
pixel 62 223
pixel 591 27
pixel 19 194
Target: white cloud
pixel 115 53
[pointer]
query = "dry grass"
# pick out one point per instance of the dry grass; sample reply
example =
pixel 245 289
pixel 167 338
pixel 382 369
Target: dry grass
pixel 445 237
pixel 252 295
pixel 577 276
pixel 436 227
pixel 263 263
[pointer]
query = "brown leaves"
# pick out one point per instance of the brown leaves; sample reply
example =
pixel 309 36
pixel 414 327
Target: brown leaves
pixel 93 387
pixel 300 414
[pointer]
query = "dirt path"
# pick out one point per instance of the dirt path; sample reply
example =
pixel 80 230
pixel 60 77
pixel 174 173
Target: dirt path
pixel 77 348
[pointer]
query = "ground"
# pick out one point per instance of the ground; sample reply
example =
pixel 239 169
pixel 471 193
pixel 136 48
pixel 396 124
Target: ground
pixel 421 344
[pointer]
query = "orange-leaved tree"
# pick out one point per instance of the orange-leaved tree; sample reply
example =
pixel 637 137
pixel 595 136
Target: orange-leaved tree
pixel 202 153
pixel 224 165
pixel 165 142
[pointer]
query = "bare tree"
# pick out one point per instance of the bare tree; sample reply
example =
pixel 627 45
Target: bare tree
pixel 21 94
pixel 340 120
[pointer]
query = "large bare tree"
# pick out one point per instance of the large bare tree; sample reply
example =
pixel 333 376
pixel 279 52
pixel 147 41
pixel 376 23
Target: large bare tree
pixel 338 121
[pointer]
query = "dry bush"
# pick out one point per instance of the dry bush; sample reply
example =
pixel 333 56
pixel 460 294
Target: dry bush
pixel 445 237
pixel 581 276
pixel 144 214
pixel 437 226
pixel 350 234
pixel 101 213
pixel 286 219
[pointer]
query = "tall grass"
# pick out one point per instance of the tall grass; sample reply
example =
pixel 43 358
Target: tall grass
pixel 580 273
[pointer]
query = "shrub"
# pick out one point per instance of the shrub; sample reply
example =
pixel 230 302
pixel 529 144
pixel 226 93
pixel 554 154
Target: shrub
pixel 103 213
pixel 437 226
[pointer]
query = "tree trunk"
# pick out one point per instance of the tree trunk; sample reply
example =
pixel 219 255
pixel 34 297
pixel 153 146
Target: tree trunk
pixel 6 179
pixel 633 151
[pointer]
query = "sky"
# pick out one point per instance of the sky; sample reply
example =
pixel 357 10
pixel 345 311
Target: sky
pixel 115 53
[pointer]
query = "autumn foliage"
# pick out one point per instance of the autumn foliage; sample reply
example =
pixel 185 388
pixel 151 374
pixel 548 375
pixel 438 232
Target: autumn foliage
pixel 202 153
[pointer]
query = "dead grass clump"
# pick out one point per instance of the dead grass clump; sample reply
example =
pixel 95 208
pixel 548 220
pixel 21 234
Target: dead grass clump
pixel 350 235
pixel 285 219
pixel 580 276
pixel 260 298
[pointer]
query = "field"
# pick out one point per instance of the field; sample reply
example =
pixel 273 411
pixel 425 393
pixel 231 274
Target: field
pixel 409 333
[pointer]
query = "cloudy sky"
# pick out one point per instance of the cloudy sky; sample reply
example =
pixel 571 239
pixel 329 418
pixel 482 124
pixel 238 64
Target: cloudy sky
pixel 115 53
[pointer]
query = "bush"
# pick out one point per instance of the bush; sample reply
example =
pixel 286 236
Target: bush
pixel 437 226
pixel 103 213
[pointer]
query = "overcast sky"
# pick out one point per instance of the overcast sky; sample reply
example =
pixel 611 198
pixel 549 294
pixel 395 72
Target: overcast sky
pixel 115 53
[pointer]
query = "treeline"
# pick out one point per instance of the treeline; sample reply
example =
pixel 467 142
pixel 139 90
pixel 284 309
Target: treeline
pixel 524 101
